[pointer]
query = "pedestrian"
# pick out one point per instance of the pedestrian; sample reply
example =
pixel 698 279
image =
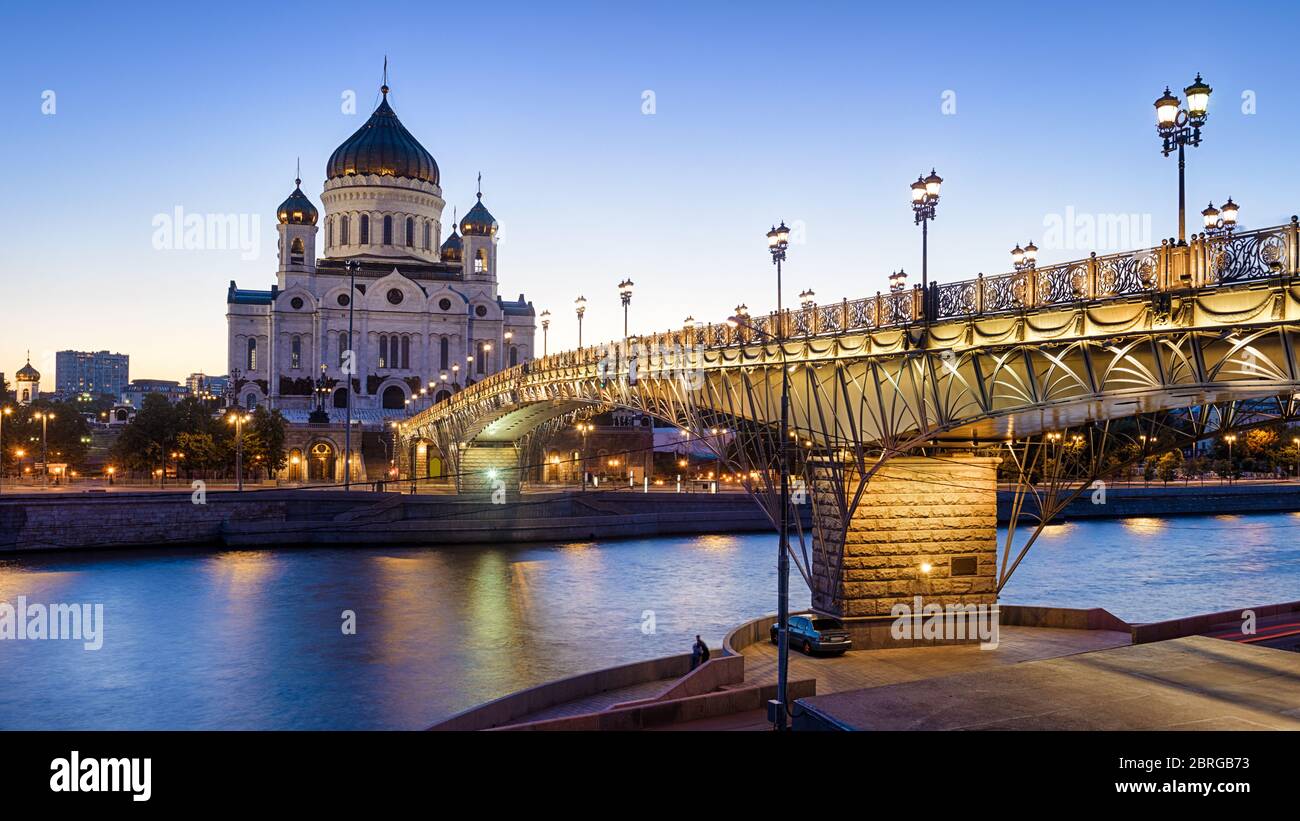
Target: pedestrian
pixel 699 652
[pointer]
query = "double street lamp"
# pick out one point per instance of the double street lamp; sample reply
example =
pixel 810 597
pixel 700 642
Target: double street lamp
pixel 580 305
pixel 925 197
pixel 778 240
pixel 1178 128
pixel 625 294
pixel 1024 258
pixel 898 281
pixel 239 419
pixel 1220 221
pixel 45 417
pixel 546 324
pixel 807 299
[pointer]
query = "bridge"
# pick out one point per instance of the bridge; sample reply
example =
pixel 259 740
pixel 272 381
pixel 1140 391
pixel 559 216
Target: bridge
pixel 908 408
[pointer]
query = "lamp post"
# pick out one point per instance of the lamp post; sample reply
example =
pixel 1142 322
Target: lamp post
pixel 925 196
pixel 45 417
pixel 580 304
pixel 1024 258
pixel 625 294
pixel 546 324
pixel 3 413
pixel 1230 439
pixel 1296 442
pixel 584 428
pixel 898 281
pixel 778 240
pixel 349 363
pixel 807 299
pixel 238 419
pixel 1221 222
pixel 1178 128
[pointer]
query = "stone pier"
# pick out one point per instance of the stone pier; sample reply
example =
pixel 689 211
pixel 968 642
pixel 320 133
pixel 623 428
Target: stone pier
pixel 925 527
pixel 485 469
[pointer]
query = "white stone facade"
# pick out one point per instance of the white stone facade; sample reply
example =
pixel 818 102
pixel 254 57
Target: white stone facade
pixel 419 312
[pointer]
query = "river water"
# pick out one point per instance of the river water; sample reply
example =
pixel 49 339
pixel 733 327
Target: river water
pixel 255 639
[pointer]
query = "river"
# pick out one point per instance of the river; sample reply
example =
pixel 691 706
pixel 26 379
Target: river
pixel 255 639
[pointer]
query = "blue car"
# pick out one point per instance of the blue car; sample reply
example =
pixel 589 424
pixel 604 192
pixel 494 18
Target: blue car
pixel 813 634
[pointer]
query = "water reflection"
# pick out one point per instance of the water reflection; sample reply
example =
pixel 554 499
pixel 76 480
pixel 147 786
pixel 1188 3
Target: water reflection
pixel 253 638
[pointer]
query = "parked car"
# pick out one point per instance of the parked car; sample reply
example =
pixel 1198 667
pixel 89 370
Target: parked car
pixel 812 633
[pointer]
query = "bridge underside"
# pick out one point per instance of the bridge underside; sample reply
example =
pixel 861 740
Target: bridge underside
pixel 1020 389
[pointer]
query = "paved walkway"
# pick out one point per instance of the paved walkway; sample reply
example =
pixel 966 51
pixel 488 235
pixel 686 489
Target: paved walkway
pixel 1194 683
pixel 873 668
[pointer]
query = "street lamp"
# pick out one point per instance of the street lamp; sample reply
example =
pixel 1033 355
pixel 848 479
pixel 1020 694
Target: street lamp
pixel 3 413
pixel 584 428
pixel 777 243
pixel 625 294
pixel 546 324
pixel 1178 128
pixel 925 196
pixel 349 363
pixel 1024 258
pixel 1230 439
pixel 580 304
pixel 238 419
pixel 45 418
pixel 1220 221
pixel 807 299
pixel 897 281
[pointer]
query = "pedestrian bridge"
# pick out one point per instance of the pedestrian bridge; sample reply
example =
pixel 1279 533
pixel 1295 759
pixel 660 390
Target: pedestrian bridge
pixel 1183 341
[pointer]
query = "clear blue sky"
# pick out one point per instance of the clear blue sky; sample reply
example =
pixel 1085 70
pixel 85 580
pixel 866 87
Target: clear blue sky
pixel 821 113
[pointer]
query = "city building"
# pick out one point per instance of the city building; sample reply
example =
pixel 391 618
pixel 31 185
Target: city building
pixel 135 392
pixel 27 383
pixel 425 313
pixel 204 386
pixel 97 373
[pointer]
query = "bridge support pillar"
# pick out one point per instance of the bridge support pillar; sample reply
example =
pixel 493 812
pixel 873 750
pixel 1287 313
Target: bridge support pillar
pixel 489 471
pixel 924 534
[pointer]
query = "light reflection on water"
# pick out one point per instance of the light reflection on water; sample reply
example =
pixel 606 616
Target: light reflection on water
pixel 252 638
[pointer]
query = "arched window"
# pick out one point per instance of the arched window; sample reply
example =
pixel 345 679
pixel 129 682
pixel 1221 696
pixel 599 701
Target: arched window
pixel 388 230
pixel 428 233
pixel 394 398
pixel 343 349
pixel 295 352
pixel 514 356
pixel 383 351
pixel 406 352
pixel 343 230
pixel 365 229
pixel 296 250
pixel 441 395
pixel 250 400
pixel 252 353
pixel 480 261
pixel 329 232
pixel 480 356
pixel 341 398
pixel 410 231
pixel 443 353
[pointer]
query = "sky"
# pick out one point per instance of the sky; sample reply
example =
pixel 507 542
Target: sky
pixel 652 141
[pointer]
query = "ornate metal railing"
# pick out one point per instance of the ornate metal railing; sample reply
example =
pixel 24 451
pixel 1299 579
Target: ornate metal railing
pixel 1205 262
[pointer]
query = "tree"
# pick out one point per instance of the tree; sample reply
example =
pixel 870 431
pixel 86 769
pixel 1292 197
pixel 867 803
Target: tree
pixel 1167 466
pixel 264 439
pixel 145 442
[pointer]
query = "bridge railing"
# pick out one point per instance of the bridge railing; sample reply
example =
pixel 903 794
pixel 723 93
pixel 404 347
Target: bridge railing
pixel 1204 262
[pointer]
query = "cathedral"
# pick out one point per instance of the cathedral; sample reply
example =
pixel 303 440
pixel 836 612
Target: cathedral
pixel 423 318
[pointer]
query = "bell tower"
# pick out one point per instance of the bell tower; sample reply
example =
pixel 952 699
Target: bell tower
pixel 297 228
